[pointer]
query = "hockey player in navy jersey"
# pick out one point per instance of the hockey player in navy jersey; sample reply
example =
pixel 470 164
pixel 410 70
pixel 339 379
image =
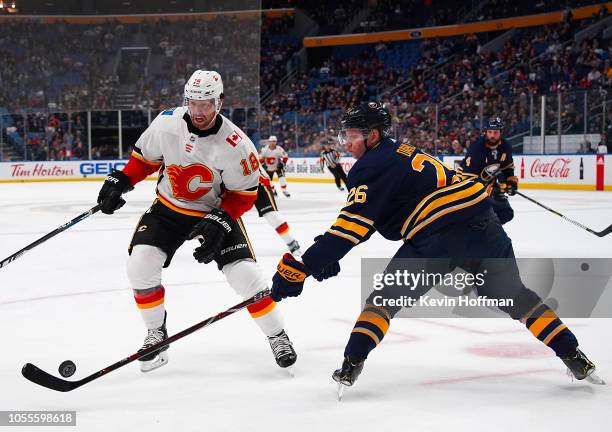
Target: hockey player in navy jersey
pixel 406 194
pixel 490 159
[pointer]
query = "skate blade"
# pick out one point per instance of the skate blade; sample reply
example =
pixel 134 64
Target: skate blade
pixel 160 360
pixel 341 388
pixel 595 379
pixel 291 371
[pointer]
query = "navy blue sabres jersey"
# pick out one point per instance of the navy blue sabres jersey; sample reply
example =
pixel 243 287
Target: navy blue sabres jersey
pixel 483 161
pixel 400 192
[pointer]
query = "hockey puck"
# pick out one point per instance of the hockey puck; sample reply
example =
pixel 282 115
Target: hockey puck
pixel 67 368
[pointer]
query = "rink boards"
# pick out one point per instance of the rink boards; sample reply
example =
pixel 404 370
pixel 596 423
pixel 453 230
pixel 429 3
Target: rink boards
pixel 577 172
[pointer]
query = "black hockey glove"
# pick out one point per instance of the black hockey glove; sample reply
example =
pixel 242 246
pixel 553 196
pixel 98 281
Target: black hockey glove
pixel 289 278
pixel 115 185
pixel 211 231
pixel 511 185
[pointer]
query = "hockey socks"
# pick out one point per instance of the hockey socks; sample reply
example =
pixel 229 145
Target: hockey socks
pixel 545 325
pixel 151 304
pixel 245 277
pixel 281 226
pixel 369 331
pixel 267 316
pixel 283 182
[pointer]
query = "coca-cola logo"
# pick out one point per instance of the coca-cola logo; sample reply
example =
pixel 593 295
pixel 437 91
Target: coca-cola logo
pixel 559 168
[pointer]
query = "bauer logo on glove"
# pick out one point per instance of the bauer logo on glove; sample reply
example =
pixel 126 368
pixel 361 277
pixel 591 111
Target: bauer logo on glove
pixel 212 232
pixel 289 278
pixel 290 273
pixel 220 220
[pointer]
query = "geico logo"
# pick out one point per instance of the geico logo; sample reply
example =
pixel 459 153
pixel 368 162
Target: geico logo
pixel 88 168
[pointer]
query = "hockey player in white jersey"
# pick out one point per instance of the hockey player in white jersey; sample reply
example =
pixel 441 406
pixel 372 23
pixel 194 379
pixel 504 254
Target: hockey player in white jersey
pixel 274 157
pixel 209 174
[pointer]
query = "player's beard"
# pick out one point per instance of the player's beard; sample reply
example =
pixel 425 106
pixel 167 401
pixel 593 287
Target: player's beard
pixel 203 121
pixel 493 143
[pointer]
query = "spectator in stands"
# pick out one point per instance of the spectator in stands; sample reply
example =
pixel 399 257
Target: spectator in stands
pixel 586 147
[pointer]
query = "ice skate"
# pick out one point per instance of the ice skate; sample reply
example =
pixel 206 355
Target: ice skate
pixel 283 351
pixel 294 248
pixel 158 358
pixel 287 194
pixel 340 188
pixel 347 374
pixel 580 367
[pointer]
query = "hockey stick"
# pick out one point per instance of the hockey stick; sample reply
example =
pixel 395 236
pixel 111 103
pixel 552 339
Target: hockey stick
pixel 578 224
pixel 53 233
pixel 602 233
pixel 42 378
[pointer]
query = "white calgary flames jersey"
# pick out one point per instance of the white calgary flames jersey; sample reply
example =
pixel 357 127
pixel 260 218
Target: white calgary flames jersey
pixel 272 157
pixel 198 166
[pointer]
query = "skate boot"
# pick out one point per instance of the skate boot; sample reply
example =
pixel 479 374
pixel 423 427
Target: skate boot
pixel 347 374
pixel 580 367
pixel 340 188
pixel 294 248
pixel 287 194
pixel 283 351
pixel 158 358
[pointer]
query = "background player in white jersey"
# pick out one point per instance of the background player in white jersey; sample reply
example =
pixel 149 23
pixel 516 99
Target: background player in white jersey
pixel 209 174
pixel 274 157
pixel 267 209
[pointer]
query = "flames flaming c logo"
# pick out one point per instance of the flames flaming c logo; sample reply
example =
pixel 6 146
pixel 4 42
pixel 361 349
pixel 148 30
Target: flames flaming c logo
pixel 191 182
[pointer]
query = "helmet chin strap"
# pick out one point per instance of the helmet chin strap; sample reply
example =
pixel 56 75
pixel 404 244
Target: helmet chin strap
pixel 218 104
pixel 212 121
pixel 365 135
pixel 365 140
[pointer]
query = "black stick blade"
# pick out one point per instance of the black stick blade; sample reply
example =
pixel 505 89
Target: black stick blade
pixel 605 232
pixel 42 378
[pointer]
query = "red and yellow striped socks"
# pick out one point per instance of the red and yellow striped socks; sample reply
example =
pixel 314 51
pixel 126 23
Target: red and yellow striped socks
pixel 267 316
pixel 261 308
pixel 151 304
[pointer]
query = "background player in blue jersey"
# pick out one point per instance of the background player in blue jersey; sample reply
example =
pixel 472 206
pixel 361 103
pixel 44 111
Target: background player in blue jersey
pixel 490 160
pixel 406 194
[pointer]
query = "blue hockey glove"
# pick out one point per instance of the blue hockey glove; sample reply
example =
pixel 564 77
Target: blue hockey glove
pixel 329 270
pixel 511 185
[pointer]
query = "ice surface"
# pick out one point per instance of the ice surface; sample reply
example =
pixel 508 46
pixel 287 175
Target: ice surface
pixel 70 299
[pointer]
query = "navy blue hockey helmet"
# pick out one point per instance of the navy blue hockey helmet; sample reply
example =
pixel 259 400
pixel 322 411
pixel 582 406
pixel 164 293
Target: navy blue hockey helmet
pixel 494 123
pixel 366 116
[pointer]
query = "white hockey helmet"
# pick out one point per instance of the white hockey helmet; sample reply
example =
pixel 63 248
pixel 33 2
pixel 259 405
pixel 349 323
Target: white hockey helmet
pixel 273 138
pixel 204 85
